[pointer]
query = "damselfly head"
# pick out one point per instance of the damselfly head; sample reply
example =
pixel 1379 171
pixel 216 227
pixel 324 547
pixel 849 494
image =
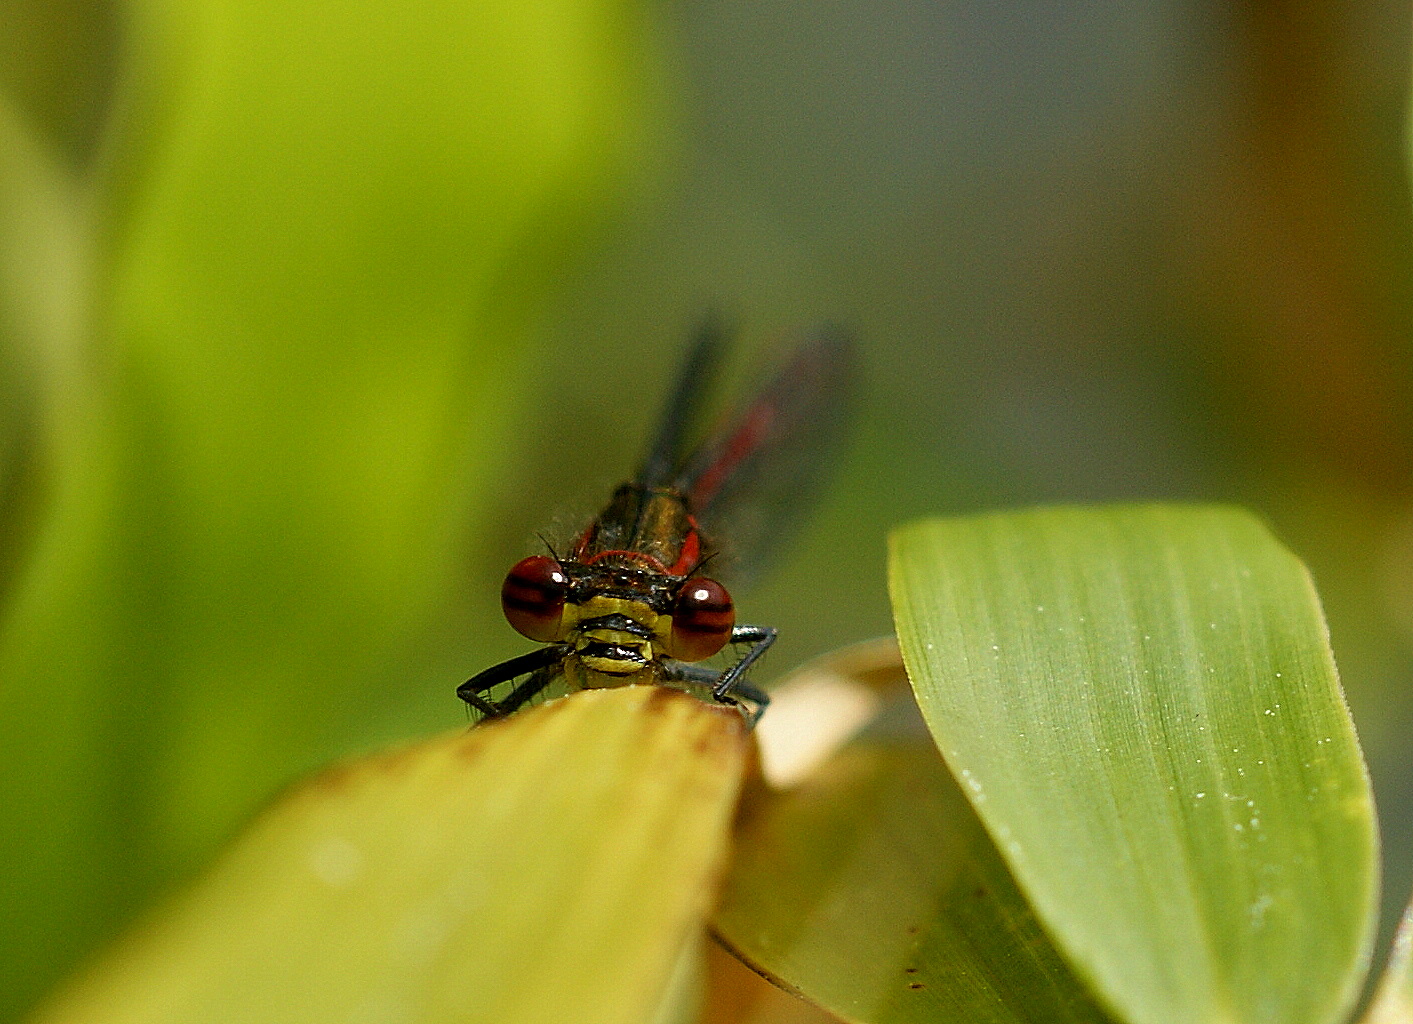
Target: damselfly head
pixel 538 590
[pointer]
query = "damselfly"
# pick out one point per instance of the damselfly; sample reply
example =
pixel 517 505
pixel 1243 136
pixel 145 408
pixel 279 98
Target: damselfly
pixel 630 602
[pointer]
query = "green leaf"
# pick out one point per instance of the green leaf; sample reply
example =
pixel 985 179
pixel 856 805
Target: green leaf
pixel 322 234
pixel 42 279
pixel 1393 1001
pixel 869 886
pixel 1142 707
pixel 56 67
pixel 550 869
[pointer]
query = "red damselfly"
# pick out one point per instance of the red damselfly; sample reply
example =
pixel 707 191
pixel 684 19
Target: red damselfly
pixel 630 601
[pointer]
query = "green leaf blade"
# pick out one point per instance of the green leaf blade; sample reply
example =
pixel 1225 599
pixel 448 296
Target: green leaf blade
pixel 550 869
pixel 1141 705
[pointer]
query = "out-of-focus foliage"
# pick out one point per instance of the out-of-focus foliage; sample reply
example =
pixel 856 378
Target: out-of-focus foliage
pixel 269 435
pixel 260 331
pixel 1393 1000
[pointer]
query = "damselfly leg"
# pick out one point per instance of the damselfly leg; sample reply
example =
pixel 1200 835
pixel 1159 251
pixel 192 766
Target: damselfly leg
pixel 537 665
pixel 730 687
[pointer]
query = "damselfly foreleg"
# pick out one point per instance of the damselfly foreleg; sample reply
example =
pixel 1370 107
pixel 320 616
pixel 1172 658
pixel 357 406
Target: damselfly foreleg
pixel 536 664
pixel 707 678
pixel 727 686
pixel 760 638
pixel 527 691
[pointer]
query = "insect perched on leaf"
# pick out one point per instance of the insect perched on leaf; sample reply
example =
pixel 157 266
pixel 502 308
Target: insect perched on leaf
pixel 631 601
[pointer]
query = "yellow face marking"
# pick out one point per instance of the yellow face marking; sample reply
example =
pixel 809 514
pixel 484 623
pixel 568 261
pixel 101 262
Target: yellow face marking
pixel 598 606
pixel 610 666
pixel 581 675
pixel 616 669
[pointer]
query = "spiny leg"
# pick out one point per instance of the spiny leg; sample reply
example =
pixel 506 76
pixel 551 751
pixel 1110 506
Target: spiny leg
pixel 472 691
pixel 527 691
pixel 760 638
pixel 706 678
pixel 738 686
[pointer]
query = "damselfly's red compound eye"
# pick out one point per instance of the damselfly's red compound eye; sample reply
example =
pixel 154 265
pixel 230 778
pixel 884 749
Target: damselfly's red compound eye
pixel 701 620
pixel 533 598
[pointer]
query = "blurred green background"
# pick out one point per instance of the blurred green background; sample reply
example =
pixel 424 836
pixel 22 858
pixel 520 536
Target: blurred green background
pixel 313 313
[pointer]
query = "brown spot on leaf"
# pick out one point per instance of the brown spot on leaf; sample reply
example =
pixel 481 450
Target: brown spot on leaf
pixel 333 778
pixel 397 762
pixel 660 700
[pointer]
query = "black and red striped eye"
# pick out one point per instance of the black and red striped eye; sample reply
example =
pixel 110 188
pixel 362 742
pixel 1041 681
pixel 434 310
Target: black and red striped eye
pixel 701 620
pixel 532 598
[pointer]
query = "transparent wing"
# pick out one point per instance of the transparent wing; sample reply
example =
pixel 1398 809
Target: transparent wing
pixel 750 482
pixel 684 405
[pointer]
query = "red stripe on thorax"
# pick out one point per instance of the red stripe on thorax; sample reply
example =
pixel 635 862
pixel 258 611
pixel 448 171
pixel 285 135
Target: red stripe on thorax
pixel 691 552
pixel 581 546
